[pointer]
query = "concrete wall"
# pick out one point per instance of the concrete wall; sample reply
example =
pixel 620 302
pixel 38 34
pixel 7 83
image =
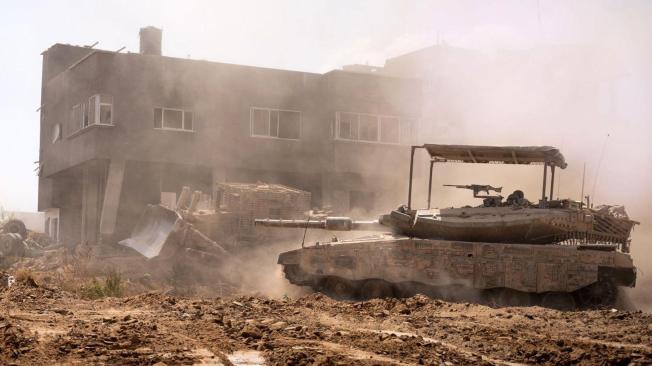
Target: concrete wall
pixel 34 221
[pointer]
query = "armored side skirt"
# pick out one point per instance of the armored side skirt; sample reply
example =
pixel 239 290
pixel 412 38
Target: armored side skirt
pixel 522 267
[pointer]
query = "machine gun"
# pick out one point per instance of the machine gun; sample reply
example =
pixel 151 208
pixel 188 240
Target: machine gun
pixel 477 188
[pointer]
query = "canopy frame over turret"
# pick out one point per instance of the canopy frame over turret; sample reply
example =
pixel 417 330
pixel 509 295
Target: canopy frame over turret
pixel 475 154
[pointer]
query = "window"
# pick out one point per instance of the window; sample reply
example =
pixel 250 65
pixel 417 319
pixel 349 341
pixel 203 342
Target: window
pixel 102 111
pixel 389 130
pixel 98 110
pixel 85 120
pixel 173 119
pixel 373 128
pixel 368 127
pixel 80 116
pixel 77 117
pixel 407 130
pixel 56 132
pixel 348 126
pixel 278 123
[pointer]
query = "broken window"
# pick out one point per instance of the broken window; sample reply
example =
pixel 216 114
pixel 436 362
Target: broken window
pixel 273 123
pixel 348 126
pixel 373 128
pixel 173 119
pixel 187 120
pixel 407 128
pixel 289 125
pixel 158 118
pixel 100 107
pixel 260 122
pixel 279 123
pixel 368 127
pixel 77 117
pixel 389 130
pixel 98 110
pixel 56 132
pixel 85 121
pixel 105 110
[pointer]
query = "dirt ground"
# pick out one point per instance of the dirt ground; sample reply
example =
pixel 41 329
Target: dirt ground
pixel 42 324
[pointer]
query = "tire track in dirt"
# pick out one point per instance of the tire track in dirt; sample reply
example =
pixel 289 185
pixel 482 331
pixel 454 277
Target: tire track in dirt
pixel 463 352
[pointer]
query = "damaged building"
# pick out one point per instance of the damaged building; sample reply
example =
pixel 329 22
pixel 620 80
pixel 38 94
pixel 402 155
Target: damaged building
pixel 122 130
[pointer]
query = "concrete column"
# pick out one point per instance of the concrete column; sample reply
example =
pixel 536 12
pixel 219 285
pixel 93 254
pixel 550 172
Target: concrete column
pixel 91 193
pixel 112 192
pixel 326 191
pixel 219 176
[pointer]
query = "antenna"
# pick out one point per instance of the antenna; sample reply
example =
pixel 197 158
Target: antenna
pixel 559 175
pixel 597 171
pixel 303 241
pixel 583 177
pixel 558 184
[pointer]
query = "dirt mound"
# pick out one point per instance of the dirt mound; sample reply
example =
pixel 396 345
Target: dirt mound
pixel 121 340
pixel 29 294
pixel 45 325
pixel 14 341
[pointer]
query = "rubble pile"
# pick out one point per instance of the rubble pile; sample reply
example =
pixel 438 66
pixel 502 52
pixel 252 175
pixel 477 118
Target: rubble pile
pixel 14 341
pixel 121 340
pixel 46 324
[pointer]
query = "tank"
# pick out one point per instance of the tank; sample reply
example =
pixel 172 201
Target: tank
pixel 556 253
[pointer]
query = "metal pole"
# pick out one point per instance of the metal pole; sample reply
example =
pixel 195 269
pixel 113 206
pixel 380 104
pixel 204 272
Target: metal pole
pixel 545 177
pixel 409 203
pixel 552 180
pixel 582 193
pixel 432 162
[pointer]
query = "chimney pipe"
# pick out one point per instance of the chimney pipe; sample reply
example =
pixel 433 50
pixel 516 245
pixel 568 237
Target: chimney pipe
pixel 150 41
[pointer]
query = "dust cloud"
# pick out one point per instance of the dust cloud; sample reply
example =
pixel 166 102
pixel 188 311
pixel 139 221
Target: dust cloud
pixel 588 96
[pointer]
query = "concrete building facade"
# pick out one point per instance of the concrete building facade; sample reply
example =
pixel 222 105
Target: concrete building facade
pixel 120 129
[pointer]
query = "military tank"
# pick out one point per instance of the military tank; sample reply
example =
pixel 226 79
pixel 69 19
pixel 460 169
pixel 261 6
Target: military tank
pixel 557 253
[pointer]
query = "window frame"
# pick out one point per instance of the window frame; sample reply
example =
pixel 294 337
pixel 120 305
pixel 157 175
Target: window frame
pixel 56 132
pixel 77 116
pixel 402 140
pixel 81 112
pixel 98 108
pixel 183 119
pixel 278 122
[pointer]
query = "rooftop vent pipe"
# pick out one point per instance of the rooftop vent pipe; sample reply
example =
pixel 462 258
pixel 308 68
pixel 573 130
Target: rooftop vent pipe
pixel 150 41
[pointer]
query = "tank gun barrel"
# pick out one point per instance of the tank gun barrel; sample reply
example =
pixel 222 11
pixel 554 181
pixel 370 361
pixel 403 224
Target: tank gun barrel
pixel 329 223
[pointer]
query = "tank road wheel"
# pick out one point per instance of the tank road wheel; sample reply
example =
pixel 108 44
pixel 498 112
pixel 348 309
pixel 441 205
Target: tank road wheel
pixel 509 297
pixel 339 289
pixel 499 297
pixel 376 289
pixel 559 301
pixel 598 295
pixel 490 297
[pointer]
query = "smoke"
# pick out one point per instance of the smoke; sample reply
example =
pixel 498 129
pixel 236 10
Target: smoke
pixel 574 75
pixel 587 90
pixel 260 274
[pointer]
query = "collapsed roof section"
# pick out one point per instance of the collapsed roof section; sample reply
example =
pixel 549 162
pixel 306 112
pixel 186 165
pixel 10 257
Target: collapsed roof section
pixel 497 154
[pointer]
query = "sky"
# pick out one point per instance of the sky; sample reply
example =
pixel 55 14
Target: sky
pixel 314 36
